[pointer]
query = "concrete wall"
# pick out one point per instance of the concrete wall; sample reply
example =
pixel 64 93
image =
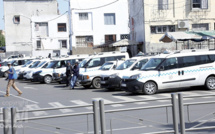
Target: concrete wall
pixel 18 36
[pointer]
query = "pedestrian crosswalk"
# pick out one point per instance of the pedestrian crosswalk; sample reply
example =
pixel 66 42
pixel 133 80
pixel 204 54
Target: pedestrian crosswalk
pixel 114 99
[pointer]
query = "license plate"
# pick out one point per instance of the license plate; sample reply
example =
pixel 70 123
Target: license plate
pixel 123 85
pixel 103 82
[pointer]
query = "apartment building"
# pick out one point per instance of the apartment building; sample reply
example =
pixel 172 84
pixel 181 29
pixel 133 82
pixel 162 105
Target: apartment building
pixel 34 27
pixel 151 19
pixel 96 22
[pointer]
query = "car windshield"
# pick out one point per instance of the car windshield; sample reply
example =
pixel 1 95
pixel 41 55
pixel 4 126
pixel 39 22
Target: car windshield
pixel 152 64
pixel 83 63
pixel 41 64
pixel 27 63
pixel 106 66
pixel 35 64
pixel 52 64
pixel 126 64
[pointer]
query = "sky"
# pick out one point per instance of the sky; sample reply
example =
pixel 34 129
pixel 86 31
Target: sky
pixel 63 7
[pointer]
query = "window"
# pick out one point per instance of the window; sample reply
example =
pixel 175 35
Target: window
pixel 16 19
pixel 39 44
pixel 61 27
pixel 140 64
pixel 200 27
pixel 109 18
pixel 110 38
pixel 170 63
pixel 83 16
pixel 84 40
pixel 162 4
pixel 187 61
pixel 41 29
pixel 162 29
pixel 212 57
pixel 63 43
pixel 200 4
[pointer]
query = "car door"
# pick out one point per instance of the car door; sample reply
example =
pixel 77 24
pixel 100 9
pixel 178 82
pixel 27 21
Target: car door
pixel 168 74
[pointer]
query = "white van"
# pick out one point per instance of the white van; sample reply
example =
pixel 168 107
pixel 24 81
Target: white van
pixel 93 78
pixel 28 73
pixel 58 65
pixel 94 62
pixel 112 79
pixel 175 70
pixel 16 63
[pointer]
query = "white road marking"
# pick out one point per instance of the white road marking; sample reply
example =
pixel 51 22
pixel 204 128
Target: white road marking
pixel 33 107
pixel 153 98
pixel 108 101
pixel 80 102
pixel 128 99
pixel 58 104
pixel 30 88
pixel 21 98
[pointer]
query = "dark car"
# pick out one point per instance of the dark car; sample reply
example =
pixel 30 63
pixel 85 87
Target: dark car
pixel 2 49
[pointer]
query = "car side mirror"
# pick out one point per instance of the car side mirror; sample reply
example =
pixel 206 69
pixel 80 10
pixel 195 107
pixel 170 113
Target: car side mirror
pixel 161 68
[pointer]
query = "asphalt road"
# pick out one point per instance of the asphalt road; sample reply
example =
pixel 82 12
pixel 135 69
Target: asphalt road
pixel 36 96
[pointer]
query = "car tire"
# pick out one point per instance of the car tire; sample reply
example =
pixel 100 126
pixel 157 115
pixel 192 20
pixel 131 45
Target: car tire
pixel 150 88
pixel 5 74
pixel 96 83
pixel 47 79
pixel 210 83
pixel 87 86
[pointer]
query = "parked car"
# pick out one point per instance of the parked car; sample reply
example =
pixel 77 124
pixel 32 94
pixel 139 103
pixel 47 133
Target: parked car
pixel 16 63
pixel 112 79
pixel 57 65
pixel 2 49
pixel 175 70
pixel 28 73
pixel 93 78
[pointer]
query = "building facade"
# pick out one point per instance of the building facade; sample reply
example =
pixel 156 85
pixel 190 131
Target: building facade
pixel 33 27
pixel 150 19
pixel 95 22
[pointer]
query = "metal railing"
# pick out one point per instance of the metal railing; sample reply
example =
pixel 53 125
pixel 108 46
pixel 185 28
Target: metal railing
pixel 99 115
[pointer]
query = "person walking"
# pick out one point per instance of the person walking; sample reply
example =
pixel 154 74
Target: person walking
pixel 75 72
pixel 12 76
pixel 68 73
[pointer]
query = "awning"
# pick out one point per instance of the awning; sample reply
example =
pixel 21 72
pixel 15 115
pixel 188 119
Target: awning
pixel 120 43
pixel 196 36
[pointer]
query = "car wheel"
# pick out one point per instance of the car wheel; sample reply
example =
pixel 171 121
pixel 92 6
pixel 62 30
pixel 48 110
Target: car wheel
pixel 87 86
pixel 150 88
pixel 210 83
pixel 5 74
pixel 47 79
pixel 96 83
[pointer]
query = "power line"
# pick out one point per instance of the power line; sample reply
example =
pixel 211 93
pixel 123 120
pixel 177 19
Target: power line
pixel 97 7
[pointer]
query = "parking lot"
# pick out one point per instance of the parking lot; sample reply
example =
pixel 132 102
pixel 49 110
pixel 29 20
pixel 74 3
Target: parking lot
pixel 37 95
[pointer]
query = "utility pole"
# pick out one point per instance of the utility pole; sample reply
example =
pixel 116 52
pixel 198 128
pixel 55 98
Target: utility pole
pixel 70 28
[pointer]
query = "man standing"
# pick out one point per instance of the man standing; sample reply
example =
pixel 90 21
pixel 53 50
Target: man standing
pixel 75 72
pixel 68 73
pixel 11 80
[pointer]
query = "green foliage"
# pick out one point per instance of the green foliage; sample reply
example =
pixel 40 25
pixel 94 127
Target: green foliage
pixel 2 40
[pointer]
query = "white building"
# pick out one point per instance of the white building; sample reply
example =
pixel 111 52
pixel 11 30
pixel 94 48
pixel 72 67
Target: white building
pixel 95 22
pixel 33 27
pixel 50 35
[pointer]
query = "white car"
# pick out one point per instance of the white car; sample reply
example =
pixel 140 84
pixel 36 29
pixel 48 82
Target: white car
pixel 112 79
pixel 174 70
pixel 87 79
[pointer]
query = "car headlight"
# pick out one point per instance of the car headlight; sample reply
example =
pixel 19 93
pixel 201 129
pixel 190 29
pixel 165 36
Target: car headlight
pixel 86 77
pixel 137 76
pixel 114 75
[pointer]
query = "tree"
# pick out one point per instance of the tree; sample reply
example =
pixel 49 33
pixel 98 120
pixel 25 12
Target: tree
pixel 2 40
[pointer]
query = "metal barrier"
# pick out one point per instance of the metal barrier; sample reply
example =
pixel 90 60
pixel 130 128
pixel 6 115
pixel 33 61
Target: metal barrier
pixel 181 114
pixel 99 115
